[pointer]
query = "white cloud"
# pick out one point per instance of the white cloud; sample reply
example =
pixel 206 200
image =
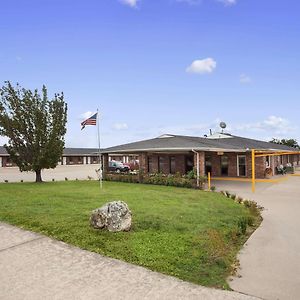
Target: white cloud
pixel 3 140
pixel 228 2
pixel 245 79
pixel 271 125
pixel 86 115
pixel 120 126
pixel 202 66
pixel 131 3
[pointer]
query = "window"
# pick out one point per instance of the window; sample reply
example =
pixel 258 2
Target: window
pixel 189 163
pixel 172 165
pixel 241 165
pixel 224 165
pixel 150 164
pixel 160 164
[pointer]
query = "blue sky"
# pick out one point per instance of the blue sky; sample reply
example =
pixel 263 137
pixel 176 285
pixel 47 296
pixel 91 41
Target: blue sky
pixel 159 66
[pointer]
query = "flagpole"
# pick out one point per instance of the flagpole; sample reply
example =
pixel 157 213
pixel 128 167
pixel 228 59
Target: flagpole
pixel 100 158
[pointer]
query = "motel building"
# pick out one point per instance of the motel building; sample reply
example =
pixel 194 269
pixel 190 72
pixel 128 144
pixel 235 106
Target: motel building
pixel 71 156
pixel 220 154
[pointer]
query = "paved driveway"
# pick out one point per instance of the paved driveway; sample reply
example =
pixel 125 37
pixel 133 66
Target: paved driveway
pixel 270 260
pixel 36 267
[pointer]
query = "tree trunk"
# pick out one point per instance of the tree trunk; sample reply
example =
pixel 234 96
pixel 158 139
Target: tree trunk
pixel 38 176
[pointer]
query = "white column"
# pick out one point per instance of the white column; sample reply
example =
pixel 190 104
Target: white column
pixel 64 160
pixel 0 161
pixel 89 160
pixel 84 160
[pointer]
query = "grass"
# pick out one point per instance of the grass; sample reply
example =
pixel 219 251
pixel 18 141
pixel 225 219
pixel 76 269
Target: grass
pixel 190 234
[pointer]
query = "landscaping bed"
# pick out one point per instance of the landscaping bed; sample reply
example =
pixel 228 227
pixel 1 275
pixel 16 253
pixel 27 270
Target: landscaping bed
pixel 191 234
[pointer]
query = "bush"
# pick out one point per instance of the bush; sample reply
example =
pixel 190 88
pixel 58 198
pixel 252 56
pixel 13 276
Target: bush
pixel 191 174
pixel 242 224
pixel 252 206
pixel 213 188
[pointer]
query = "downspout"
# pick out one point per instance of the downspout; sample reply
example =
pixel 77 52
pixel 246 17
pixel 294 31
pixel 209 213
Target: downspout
pixel 198 167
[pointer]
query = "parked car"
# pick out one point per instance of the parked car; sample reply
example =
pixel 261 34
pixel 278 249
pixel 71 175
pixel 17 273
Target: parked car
pixel 127 165
pixel 117 166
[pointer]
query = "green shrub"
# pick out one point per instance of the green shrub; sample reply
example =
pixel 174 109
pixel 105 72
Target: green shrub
pixel 242 224
pixel 191 174
pixel 213 188
pixel 252 206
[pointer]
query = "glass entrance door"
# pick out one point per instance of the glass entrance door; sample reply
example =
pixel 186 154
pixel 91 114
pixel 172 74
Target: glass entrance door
pixel 208 164
pixel 224 165
pixel 241 164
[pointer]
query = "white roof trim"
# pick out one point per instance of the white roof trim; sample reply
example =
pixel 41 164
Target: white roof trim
pixel 219 135
pixel 163 136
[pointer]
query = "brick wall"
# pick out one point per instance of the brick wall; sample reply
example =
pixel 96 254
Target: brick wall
pixel 260 166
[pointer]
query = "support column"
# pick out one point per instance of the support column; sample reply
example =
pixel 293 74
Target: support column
pixel 1 162
pixel 104 165
pixel 199 159
pixel 64 160
pixel 143 158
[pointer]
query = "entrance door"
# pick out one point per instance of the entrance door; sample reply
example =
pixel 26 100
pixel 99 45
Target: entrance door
pixel 241 165
pixel 224 165
pixel 208 164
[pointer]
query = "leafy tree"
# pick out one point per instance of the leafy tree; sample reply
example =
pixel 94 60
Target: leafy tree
pixel 35 127
pixel 287 142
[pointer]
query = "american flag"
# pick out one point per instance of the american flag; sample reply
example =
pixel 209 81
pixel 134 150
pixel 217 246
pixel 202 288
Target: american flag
pixel 90 121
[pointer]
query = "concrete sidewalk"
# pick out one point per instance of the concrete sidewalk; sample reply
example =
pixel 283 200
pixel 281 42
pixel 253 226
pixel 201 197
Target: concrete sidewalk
pixel 270 260
pixel 33 266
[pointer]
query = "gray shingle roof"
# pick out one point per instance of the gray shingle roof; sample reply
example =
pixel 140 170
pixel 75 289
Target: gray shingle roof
pixel 187 143
pixel 80 151
pixel 67 151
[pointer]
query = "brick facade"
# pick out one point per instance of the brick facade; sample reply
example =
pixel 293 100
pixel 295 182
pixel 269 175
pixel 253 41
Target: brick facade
pixel 201 163
pixel 155 163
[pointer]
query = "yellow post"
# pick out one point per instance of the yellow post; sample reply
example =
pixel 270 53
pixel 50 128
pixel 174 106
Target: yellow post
pixel 208 179
pixel 253 170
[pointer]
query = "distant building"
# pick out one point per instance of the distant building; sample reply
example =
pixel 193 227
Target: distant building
pixel 71 156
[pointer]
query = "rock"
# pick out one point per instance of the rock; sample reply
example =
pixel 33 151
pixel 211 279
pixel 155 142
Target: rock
pixel 113 216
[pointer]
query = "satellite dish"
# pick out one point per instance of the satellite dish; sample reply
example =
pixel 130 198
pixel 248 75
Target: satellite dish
pixel 223 125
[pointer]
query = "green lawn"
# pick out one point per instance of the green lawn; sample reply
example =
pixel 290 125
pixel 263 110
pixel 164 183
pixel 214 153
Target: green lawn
pixel 186 233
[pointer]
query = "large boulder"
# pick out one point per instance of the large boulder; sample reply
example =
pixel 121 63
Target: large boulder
pixel 113 216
